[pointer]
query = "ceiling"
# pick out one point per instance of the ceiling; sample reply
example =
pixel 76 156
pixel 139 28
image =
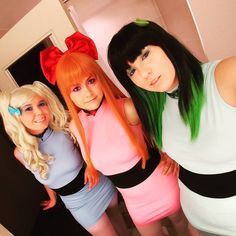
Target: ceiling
pixel 11 11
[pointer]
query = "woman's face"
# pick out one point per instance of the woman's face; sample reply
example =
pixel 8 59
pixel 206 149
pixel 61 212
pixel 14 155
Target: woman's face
pixel 35 115
pixel 153 71
pixel 88 94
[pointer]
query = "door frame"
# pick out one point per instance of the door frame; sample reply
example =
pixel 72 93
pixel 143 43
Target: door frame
pixel 47 19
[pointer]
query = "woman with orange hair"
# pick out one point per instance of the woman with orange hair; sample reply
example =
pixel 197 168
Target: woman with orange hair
pixel 37 123
pixel 108 130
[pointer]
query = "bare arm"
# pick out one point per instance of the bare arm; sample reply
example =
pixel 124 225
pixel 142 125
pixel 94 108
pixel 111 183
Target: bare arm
pixel 90 178
pixel 130 112
pixel 168 165
pixel 18 155
pixel 52 199
pixel 225 76
pixel 52 195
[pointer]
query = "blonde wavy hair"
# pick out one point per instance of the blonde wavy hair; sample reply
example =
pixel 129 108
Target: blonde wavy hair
pixel 71 69
pixel 26 143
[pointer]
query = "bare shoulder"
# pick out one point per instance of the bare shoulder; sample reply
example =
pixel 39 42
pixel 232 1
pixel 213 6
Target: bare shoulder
pixel 227 66
pixel 130 112
pixel 225 76
pixel 72 126
pixel 18 155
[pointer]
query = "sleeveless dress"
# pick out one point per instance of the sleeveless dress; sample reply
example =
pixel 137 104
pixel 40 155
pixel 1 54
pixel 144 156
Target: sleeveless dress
pixel 112 153
pixel 85 206
pixel 213 152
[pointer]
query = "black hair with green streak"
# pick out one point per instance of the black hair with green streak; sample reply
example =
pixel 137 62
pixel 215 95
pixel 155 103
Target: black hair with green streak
pixel 127 45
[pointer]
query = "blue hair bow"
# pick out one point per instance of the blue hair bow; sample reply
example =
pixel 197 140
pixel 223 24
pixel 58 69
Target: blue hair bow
pixel 14 111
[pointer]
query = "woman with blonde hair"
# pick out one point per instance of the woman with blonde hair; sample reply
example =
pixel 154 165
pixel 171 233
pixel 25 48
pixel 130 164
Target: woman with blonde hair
pixel 37 123
pixel 108 130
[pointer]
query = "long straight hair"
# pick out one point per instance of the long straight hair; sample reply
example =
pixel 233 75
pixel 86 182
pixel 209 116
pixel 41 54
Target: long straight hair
pixel 126 46
pixel 71 69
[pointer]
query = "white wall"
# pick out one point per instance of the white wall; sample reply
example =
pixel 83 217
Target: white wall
pixel 179 22
pixel 46 19
pixel 102 19
pixel 215 20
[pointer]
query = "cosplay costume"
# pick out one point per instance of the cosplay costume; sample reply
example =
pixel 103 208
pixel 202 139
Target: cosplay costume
pixel 147 193
pixel 66 177
pixel 208 173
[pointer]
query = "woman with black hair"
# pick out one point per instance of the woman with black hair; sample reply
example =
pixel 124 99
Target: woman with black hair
pixel 188 109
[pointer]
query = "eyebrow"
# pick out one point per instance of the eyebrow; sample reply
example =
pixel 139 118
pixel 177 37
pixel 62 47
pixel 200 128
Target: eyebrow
pixel 91 77
pixel 43 100
pixel 30 104
pixel 74 86
pixel 25 106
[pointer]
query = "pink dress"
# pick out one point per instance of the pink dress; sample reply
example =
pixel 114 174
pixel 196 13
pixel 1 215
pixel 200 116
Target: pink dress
pixel 112 153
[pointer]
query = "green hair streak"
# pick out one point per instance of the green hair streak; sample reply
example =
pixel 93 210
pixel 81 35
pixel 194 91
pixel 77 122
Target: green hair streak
pixel 193 116
pixel 154 106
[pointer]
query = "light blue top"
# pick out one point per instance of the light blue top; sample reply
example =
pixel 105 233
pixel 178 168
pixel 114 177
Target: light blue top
pixel 67 160
pixel 86 206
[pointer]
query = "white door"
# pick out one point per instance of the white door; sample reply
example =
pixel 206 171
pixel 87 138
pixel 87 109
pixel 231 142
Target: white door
pixel 47 19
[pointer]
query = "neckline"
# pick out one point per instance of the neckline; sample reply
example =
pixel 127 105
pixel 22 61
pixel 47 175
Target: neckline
pixel 174 94
pixel 99 111
pixel 43 136
pixel 93 112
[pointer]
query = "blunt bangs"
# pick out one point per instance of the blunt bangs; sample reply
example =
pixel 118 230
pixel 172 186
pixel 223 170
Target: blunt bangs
pixel 128 43
pixel 21 96
pixel 73 68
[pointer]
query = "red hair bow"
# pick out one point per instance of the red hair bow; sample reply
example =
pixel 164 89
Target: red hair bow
pixel 50 56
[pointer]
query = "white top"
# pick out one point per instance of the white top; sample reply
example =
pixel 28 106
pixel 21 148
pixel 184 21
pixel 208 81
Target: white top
pixel 214 151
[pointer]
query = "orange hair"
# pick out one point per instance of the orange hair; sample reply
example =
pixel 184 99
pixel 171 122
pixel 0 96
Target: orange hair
pixel 70 70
